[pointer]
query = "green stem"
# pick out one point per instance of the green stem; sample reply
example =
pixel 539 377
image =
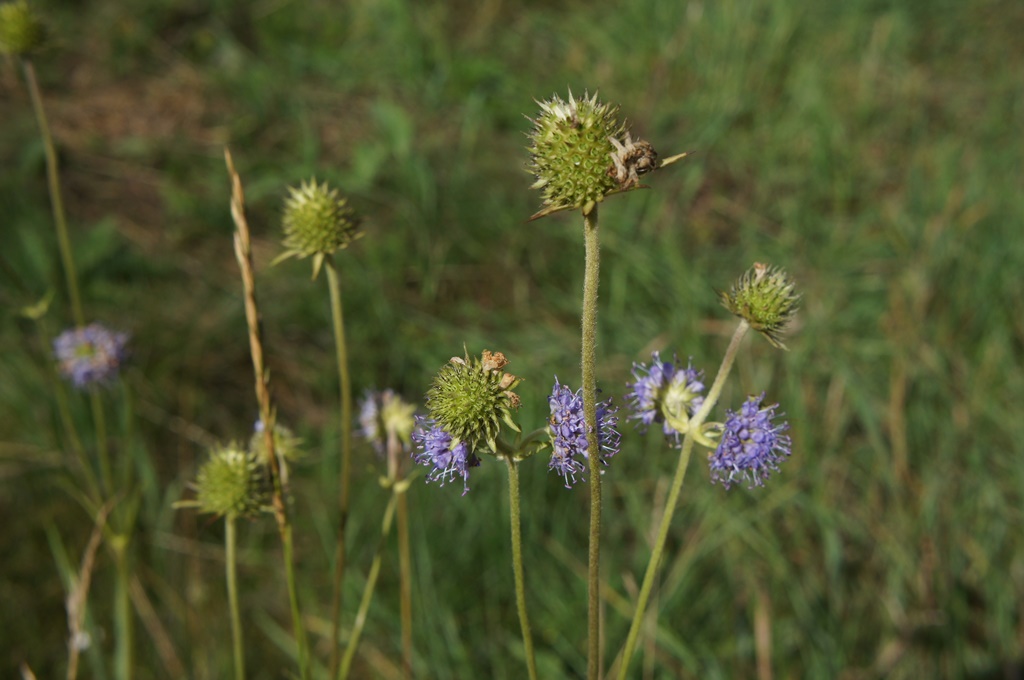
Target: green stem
pixel 100 420
pixel 56 202
pixel 405 585
pixel 293 601
pixel 673 496
pixel 341 355
pixel 371 583
pixel 123 624
pixel 236 619
pixel 404 559
pixel 588 353
pixel 517 565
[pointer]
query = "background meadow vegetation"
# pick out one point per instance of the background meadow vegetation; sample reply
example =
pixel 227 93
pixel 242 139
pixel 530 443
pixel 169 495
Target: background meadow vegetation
pixel 872 148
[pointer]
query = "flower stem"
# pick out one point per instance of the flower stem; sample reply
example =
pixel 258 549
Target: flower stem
pixel 341 355
pixel 123 624
pixel 236 620
pixel 371 583
pixel 293 601
pixel 517 565
pixel 56 202
pixel 100 421
pixel 588 352
pixel 404 559
pixel 673 496
pixel 405 586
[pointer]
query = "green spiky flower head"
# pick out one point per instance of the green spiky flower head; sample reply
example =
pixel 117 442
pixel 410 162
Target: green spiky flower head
pixel 471 398
pixel 230 482
pixel 766 298
pixel 21 30
pixel 317 222
pixel 571 152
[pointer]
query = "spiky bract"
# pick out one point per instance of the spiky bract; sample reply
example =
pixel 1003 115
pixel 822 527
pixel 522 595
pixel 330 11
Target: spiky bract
pixel 471 398
pixel 318 221
pixel 21 30
pixel 231 482
pixel 571 151
pixel 766 297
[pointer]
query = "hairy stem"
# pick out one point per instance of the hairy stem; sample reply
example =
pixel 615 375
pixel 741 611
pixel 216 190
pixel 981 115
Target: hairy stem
pixel 588 354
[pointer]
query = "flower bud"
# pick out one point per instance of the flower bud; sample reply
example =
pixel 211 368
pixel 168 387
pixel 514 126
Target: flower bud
pixel 766 298
pixel 21 30
pixel 230 482
pixel 317 222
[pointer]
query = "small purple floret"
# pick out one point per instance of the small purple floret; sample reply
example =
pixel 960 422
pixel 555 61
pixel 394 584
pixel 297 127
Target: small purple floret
pixel 569 433
pixel 435 449
pixel 752 446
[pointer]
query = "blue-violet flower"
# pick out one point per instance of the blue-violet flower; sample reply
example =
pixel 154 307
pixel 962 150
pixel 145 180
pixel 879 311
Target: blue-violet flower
pixel 382 413
pixel 752 445
pixel 568 432
pixel 89 355
pixel 666 393
pixel 436 449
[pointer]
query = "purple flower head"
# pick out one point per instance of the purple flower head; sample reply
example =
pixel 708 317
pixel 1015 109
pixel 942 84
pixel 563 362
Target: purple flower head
pixel 664 392
pixel 569 433
pixel 90 355
pixel 435 449
pixel 370 421
pixel 752 446
pixel 383 414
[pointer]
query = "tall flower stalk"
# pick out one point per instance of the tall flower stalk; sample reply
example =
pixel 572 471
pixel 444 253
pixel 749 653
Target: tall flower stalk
pixel 243 254
pixel 517 565
pixel 317 223
pixel 345 383
pixel 750 445
pixel 469 402
pixel 580 154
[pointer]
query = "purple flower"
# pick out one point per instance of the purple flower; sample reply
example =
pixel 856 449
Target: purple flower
pixel 370 421
pixel 90 355
pixel 569 433
pixel 436 450
pixel 752 446
pixel 665 392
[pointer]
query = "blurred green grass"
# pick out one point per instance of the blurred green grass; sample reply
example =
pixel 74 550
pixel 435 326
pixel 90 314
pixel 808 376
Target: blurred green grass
pixel 872 148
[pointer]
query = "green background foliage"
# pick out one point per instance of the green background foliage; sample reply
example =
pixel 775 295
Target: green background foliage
pixel 872 148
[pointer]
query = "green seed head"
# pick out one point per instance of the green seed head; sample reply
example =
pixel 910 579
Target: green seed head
pixel 21 30
pixel 766 297
pixel 471 398
pixel 571 152
pixel 318 222
pixel 230 482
